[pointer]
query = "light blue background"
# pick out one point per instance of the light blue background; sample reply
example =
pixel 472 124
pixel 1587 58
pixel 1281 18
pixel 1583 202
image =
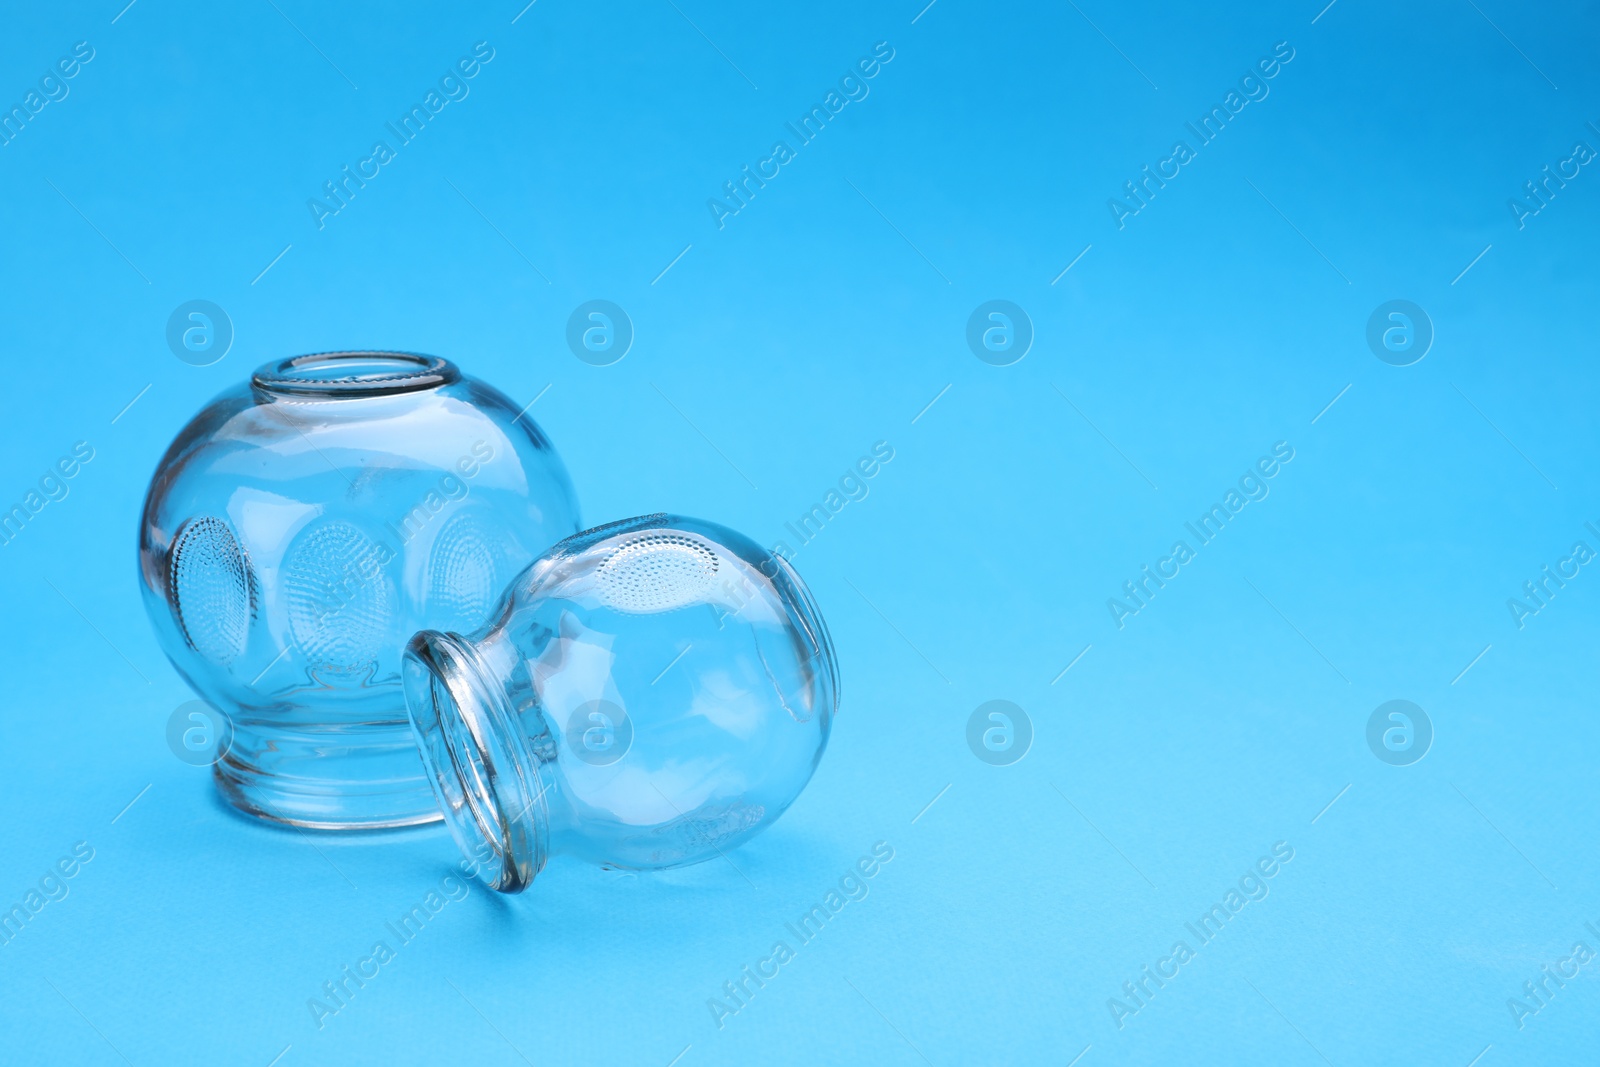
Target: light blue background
pixel 824 317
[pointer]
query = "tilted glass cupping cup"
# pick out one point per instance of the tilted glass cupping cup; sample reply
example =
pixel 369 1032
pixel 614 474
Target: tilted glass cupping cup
pixel 648 694
pixel 301 528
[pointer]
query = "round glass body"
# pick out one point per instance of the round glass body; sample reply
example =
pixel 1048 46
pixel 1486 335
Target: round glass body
pixel 649 694
pixel 300 528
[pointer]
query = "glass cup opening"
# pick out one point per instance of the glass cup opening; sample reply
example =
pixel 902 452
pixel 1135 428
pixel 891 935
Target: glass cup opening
pixel 491 797
pixel 354 374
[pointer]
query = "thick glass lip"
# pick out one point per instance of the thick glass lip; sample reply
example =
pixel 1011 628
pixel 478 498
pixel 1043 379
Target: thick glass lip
pixel 354 374
pixel 489 786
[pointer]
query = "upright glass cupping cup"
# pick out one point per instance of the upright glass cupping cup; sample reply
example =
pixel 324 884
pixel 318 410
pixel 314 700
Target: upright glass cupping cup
pixel 300 528
pixel 650 693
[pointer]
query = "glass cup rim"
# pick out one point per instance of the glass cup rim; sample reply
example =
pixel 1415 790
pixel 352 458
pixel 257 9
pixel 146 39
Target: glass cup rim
pixel 382 373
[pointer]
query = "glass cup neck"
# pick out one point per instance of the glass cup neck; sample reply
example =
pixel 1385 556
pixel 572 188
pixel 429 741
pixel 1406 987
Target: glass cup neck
pixel 490 788
pixel 345 375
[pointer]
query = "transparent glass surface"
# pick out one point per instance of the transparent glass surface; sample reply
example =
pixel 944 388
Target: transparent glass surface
pixel 305 524
pixel 650 693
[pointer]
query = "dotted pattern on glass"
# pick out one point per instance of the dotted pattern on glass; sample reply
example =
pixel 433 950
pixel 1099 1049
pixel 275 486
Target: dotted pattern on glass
pixel 466 571
pixel 656 572
pixel 211 585
pixel 340 605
